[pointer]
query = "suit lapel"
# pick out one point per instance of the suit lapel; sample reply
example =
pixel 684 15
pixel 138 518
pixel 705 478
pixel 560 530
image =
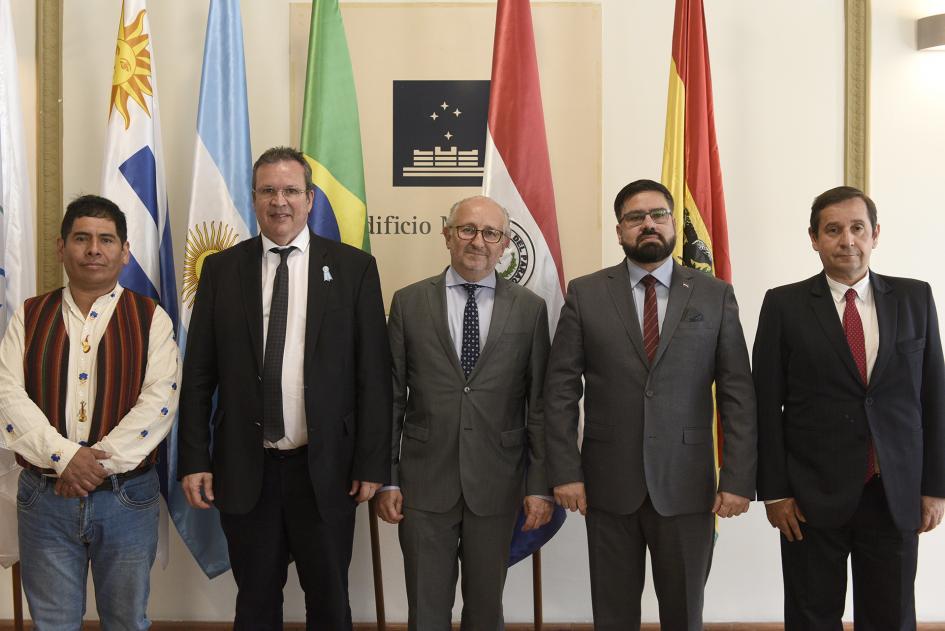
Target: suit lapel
pixel 250 272
pixel 826 312
pixel 622 294
pixel 436 297
pixel 679 292
pixel 501 310
pixel 887 314
pixel 319 293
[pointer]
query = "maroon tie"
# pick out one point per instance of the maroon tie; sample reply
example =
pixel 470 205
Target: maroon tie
pixel 853 327
pixel 651 321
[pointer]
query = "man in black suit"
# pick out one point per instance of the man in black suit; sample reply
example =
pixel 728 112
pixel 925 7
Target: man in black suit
pixel 288 330
pixel 851 408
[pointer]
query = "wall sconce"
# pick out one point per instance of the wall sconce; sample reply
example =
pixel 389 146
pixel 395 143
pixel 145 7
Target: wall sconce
pixel 930 33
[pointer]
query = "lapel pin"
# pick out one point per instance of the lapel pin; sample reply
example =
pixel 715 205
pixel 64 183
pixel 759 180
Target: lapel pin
pixel 327 273
pixel 686 285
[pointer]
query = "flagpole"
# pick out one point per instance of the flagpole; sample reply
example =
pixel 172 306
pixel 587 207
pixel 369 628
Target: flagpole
pixel 376 564
pixel 536 587
pixel 17 599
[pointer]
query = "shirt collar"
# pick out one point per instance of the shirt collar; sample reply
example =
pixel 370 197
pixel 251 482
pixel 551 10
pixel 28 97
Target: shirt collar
pixel 70 300
pixel 453 278
pixel 663 273
pixel 839 290
pixel 300 242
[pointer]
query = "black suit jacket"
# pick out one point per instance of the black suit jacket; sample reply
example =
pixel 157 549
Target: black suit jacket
pixel 815 414
pixel 347 376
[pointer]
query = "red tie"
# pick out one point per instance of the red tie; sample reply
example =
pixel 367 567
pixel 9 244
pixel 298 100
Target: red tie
pixel 853 327
pixel 651 321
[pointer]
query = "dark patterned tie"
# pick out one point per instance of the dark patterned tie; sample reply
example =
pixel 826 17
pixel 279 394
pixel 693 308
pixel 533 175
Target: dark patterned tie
pixel 651 321
pixel 273 423
pixel 469 354
pixel 853 327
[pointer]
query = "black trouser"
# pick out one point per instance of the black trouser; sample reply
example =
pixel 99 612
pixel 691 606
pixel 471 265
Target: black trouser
pixel 883 561
pixel 284 522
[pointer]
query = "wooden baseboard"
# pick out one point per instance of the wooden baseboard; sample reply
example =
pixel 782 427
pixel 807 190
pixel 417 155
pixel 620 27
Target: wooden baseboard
pixel 7 625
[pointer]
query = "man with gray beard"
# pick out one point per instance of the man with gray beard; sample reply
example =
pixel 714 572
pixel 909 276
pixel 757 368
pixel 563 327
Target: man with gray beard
pixel 644 342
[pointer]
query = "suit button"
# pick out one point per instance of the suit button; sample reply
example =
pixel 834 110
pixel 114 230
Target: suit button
pixel 258 424
pixel 466 389
pixel 869 400
pixel 649 393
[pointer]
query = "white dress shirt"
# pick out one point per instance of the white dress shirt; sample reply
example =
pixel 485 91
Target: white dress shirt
pixel 866 305
pixel 293 358
pixel 26 430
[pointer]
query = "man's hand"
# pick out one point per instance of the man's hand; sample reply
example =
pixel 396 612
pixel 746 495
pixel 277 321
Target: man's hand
pixel 932 509
pixel 785 516
pixel 572 497
pixel 362 491
pixel 63 489
pixel 390 505
pixel 730 505
pixel 84 472
pixel 537 512
pixel 195 483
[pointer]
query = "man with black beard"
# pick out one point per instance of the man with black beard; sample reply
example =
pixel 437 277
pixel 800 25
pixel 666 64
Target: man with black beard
pixel 644 342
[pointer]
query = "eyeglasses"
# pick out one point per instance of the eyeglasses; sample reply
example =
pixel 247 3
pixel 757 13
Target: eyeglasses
pixel 290 193
pixel 637 217
pixel 489 235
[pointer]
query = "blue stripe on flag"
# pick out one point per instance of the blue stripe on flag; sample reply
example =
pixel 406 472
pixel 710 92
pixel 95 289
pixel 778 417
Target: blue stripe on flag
pixel 133 277
pixel 168 280
pixel 524 544
pixel 223 116
pixel 322 218
pixel 139 170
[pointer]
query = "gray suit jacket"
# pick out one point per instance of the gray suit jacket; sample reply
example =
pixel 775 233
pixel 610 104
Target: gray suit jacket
pixel 453 435
pixel 648 429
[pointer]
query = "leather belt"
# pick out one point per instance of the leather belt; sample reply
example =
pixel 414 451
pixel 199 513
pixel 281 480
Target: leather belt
pixel 107 485
pixel 285 454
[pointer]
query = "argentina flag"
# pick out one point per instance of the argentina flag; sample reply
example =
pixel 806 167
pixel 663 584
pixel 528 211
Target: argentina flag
pixel 221 215
pixel 133 178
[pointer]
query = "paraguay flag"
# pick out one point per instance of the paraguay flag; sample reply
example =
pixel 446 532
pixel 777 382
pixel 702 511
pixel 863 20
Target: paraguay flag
pixel 518 176
pixel 133 178
pixel 331 133
pixel 221 215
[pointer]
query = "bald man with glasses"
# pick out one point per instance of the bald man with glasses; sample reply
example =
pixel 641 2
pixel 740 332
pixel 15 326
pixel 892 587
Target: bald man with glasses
pixel 469 351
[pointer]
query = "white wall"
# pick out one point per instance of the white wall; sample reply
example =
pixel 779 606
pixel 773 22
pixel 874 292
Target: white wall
pixel 778 83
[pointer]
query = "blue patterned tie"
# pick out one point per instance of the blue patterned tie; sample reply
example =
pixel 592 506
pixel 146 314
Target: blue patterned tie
pixel 470 351
pixel 273 422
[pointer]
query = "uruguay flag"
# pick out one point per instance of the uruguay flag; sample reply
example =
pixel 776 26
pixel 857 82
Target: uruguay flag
pixel 221 214
pixel 133 175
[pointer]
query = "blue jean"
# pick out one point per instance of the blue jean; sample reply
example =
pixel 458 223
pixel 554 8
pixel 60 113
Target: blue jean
pixel 113 530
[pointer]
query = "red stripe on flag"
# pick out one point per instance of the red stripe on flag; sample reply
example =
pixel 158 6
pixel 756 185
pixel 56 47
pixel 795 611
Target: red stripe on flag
pixel 517 120
pixel 703 171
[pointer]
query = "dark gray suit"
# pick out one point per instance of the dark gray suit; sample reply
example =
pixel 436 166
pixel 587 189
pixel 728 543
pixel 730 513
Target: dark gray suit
pixel 648 459
pixel 460 446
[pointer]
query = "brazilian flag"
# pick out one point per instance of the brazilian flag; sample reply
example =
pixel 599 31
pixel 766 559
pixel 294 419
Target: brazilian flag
pixel 331 133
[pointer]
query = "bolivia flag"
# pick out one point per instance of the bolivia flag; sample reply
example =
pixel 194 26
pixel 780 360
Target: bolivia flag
pixel 331 134
pixel 691 168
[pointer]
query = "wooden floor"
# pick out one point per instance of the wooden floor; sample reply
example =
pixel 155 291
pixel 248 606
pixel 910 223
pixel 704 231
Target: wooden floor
pixel 7 625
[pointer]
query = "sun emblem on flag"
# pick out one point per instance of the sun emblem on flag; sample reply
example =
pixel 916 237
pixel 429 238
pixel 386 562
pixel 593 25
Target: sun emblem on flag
pixel 201 243
pixel 132 77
